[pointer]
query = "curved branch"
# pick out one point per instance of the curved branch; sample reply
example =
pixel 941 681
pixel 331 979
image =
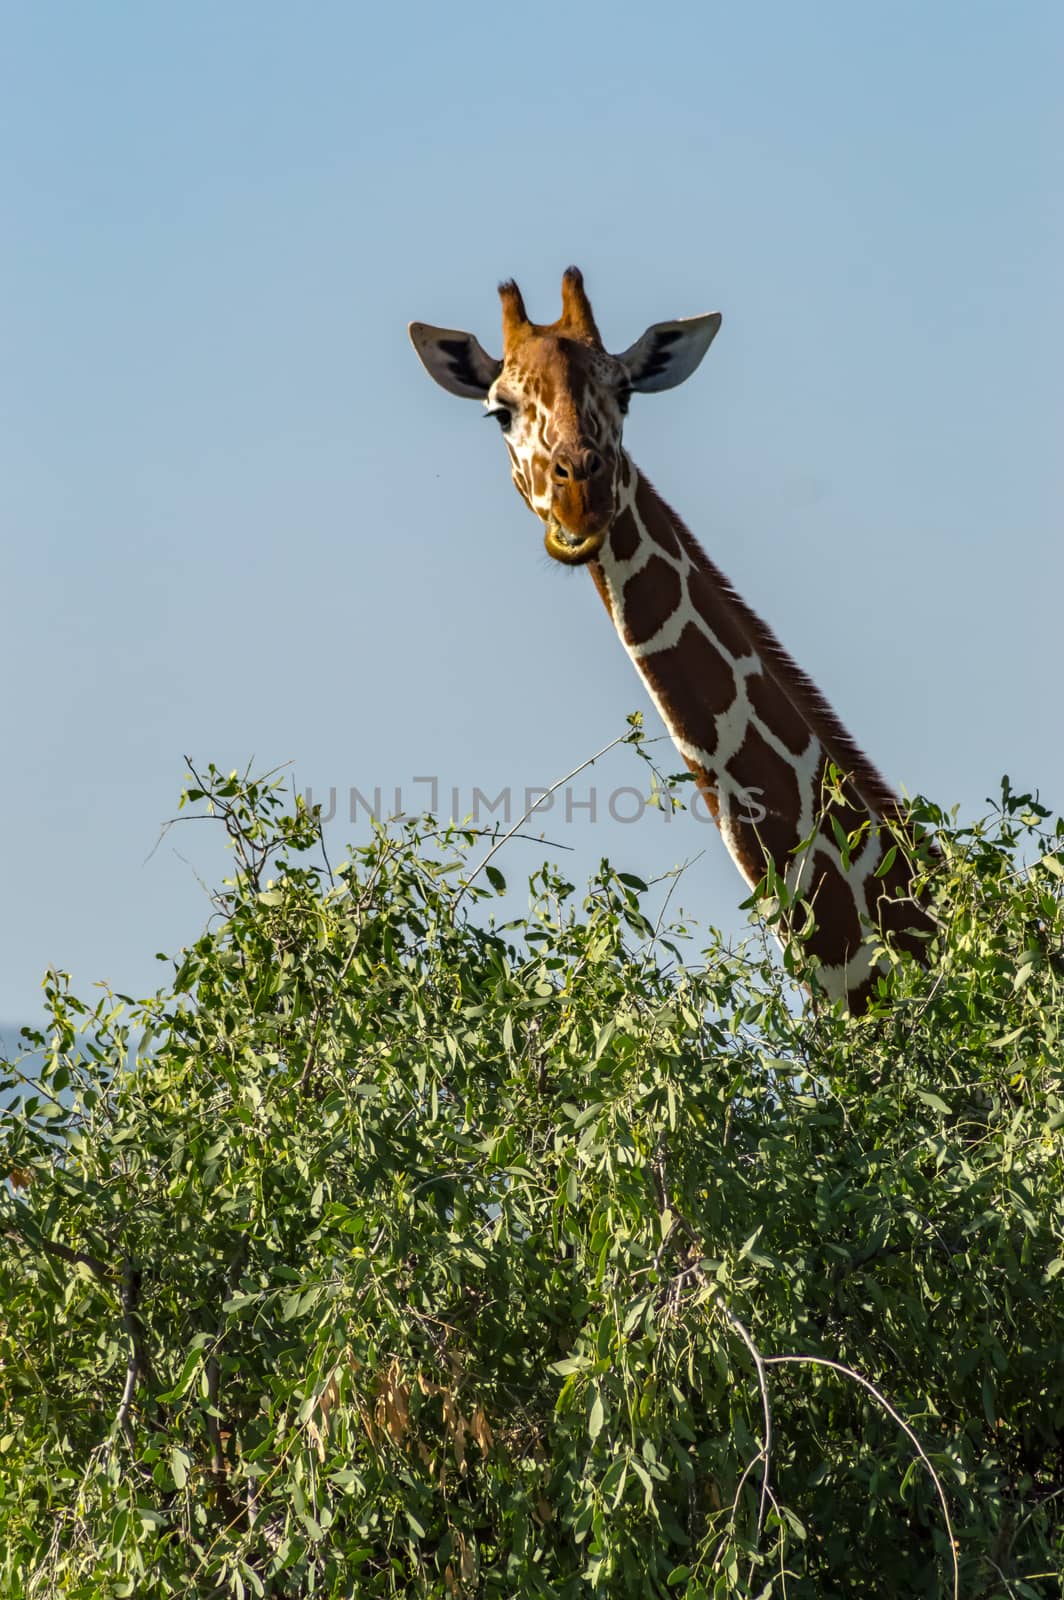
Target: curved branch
pixel 766 1409
pixel 62 1252
pixel 848 1372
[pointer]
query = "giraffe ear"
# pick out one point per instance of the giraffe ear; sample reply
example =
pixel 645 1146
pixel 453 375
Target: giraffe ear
pixel 669 352
pixel 455 360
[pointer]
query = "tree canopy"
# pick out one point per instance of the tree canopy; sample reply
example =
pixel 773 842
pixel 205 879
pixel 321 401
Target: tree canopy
pixel 390 1252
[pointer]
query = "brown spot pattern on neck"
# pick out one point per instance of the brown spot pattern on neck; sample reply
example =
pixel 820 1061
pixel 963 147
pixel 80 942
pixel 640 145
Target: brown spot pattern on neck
pixel 762 742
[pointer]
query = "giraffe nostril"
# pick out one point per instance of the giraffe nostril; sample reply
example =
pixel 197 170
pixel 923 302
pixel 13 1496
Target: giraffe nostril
pixel 595 463
pixel 561 471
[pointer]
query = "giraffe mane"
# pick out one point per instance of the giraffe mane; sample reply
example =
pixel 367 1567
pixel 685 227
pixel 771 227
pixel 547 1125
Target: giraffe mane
pixel 877 794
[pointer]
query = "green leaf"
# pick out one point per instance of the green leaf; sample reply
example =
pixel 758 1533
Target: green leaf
pixel 792 1521
pixel 614 1479
pixel 569 1364
pixel 889 858
pixel 237 1302
pixel 1006 1038
pixel 180 1461
pixel 605 1034
pixel 190 1367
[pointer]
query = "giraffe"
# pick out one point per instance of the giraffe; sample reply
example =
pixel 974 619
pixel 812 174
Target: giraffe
pixel 795 799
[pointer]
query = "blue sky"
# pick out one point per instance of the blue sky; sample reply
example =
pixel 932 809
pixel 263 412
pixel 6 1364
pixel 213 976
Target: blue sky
pixel 240 522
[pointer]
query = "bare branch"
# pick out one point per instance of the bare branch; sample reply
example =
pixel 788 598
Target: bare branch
pixel 766 1409
pixel 622 738
pixel 137 1362
pixel 848 1372
pixel 62 1252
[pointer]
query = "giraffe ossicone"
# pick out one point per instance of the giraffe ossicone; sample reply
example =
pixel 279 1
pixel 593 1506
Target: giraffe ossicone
pixel 791 792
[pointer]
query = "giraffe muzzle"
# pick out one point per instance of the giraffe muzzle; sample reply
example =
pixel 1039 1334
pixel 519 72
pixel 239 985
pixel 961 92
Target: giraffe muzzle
pixel 573 549
pixel 581 504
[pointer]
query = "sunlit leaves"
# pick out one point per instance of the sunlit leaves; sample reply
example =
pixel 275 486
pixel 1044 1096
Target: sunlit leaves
pixel 425 1245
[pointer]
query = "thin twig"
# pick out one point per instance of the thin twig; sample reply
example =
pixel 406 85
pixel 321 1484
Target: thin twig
pixel 171 822
pixel 63 1252
pixel 493 833
pixel 622 738
pixel 783 1569
pixel 848 1372
pixel 1035 1509
pixel 676 874
pixel 762 1383
pixel 137 1359
pixel 324 851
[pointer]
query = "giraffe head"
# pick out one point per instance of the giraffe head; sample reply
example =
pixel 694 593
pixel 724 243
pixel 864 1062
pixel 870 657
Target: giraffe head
pixel 560 400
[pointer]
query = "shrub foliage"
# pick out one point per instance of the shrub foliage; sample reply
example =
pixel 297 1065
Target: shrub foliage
pixel 390 1252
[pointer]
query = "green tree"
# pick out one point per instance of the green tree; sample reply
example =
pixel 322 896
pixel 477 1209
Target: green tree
pixel 389 1253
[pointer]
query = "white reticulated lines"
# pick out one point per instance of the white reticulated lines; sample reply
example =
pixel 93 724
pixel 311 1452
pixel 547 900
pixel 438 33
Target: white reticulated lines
pixel 731 726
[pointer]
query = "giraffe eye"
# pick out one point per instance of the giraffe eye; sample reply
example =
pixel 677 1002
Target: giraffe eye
pixel 503 416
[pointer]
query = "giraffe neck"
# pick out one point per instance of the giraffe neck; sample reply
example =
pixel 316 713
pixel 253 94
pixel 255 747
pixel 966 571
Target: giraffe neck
pixel 759 739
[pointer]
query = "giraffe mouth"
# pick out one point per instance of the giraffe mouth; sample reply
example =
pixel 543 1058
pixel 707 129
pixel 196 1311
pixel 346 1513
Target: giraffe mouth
pixel 572 549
